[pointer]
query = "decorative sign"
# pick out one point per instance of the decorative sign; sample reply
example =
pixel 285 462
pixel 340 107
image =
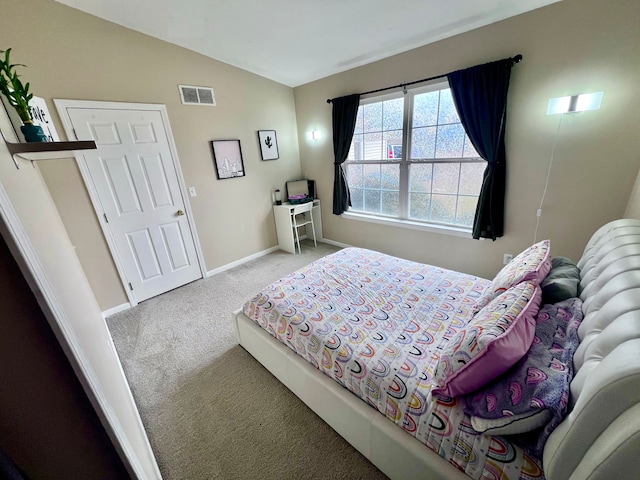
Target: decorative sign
pixel 41 117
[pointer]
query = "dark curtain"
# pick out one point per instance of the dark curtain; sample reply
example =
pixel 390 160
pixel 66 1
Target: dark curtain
pixel 345 111
pixel 480 96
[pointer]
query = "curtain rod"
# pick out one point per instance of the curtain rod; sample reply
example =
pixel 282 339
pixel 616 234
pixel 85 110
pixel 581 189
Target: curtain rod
pixel 516 59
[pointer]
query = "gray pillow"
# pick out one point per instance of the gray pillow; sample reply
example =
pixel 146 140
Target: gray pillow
pixel 562 281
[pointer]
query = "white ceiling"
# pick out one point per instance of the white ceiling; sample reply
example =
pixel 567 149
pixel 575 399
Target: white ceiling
pixel 297 41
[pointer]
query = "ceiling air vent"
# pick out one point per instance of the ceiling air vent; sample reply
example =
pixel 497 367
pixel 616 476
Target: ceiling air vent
pixel 191 95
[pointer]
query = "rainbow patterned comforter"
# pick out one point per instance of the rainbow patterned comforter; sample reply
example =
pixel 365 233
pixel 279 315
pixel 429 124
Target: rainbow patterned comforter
pixel 376 324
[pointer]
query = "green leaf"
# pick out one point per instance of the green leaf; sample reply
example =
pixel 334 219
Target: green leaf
pixel 12 87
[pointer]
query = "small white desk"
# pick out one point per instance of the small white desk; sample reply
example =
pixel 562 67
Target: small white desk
pixel 284 226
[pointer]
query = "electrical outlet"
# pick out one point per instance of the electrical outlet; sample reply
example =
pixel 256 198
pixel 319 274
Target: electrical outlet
pixel 192 191
pixel 507 258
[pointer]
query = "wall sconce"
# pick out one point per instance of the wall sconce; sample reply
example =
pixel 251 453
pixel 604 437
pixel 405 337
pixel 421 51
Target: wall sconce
pixel 575 103
pixel 314 135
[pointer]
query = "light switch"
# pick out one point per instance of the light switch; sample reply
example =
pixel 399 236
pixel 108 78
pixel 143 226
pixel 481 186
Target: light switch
pixel 192 191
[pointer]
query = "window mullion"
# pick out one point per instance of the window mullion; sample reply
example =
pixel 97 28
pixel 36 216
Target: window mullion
pixel 455 215
pixel 406 153
pixel 435 144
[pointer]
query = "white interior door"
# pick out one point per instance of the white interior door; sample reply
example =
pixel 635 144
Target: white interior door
pixel 135 178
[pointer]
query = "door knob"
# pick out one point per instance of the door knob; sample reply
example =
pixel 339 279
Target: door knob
pixel 180 213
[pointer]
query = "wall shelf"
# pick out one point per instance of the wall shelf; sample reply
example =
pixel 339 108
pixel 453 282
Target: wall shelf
pixel 47 150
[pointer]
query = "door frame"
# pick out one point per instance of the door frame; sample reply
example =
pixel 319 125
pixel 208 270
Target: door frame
pixel 62 105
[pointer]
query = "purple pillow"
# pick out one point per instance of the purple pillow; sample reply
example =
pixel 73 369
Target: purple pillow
pixel 535 391
pixel 496 338
pixel 532 264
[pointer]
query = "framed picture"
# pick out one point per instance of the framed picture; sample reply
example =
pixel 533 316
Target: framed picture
pixel 268 144
pixel 227 157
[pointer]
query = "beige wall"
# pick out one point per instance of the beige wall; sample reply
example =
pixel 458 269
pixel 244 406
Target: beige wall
pixel 633 207
pixel 571 47
pixel 77 56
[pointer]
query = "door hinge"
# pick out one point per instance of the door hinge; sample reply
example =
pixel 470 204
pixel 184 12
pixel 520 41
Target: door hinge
pixel 105 218
pixel 130 287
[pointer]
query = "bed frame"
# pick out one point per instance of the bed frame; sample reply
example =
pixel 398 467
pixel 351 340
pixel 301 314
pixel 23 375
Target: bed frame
pixel 599 439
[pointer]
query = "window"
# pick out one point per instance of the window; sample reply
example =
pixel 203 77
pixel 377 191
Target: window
pixel 439 181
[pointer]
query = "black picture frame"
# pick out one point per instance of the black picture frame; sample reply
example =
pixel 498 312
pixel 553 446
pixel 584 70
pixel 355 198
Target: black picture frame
pixel 268 145
pixel 227 159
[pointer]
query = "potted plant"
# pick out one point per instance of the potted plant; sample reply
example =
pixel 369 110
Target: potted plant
pixel 18 96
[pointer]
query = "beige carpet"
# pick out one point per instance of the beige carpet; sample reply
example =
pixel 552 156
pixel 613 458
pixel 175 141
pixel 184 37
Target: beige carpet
pixel 211 411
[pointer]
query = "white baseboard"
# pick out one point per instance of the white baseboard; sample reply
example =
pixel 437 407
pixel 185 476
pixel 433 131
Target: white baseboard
pixel 221 269
pixel 337 244
pixel 127 306
pixel 114 310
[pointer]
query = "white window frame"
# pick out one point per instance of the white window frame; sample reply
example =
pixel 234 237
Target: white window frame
pixel 403 219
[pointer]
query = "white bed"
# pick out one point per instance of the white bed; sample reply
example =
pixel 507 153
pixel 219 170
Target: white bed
pixel 599 438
